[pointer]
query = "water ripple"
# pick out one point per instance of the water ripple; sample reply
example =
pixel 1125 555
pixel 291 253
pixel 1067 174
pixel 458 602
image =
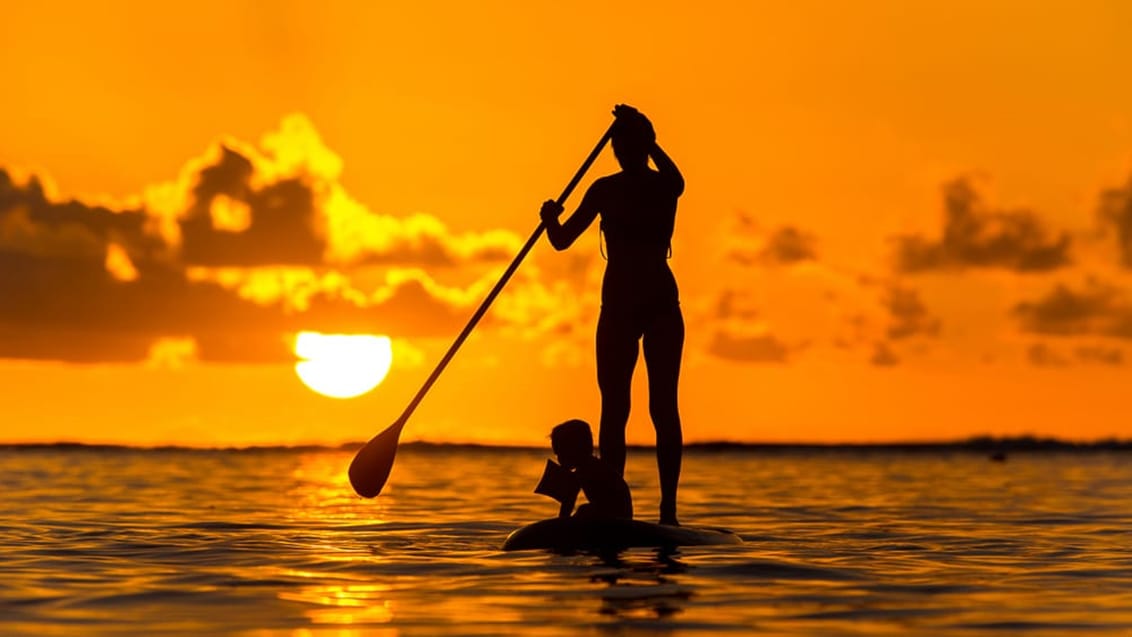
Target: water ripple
pixel 111 542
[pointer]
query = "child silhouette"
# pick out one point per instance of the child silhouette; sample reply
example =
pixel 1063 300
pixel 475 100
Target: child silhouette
pixel 606 491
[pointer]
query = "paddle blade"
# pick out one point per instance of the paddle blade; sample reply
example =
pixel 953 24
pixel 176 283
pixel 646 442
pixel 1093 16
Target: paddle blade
pixel 371 466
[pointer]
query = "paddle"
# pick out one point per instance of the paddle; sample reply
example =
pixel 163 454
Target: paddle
pixel 370 467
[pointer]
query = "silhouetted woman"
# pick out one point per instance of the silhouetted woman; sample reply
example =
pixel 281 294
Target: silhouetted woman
pixel 639 299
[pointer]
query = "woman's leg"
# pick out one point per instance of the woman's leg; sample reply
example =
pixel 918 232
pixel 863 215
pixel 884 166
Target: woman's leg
pixel 617 351
pixel 664 346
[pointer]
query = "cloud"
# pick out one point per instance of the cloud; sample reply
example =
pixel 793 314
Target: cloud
pixel 789 245
pixel 908 315
pixel 974 236
pixel 733 304
pixel 883 355
pixel 290 208
pixel 783 246
pixel 751 245
pixel 754 348
pixel 741 334
pixel 172 352
pixel 357 237
pixel 260 347
pixel 1045 355
pixel 1097 309
pixel 75 310
pixel 1042 355
pixel 32 223
pixel 283 224
pixel 764 313
pixel 1115 215
pixel 1099 354
pixel 249 244
pixel 410 304
pixel 71 345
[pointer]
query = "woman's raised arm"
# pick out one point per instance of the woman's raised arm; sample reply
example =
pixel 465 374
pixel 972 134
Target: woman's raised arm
pixel 563 235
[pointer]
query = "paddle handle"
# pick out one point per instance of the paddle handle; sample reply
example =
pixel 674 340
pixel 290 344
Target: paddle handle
pixel 502 282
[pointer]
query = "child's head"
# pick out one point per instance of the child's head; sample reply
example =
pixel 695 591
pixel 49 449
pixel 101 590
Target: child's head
pixel 572 442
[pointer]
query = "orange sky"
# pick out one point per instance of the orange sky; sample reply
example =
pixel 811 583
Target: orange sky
pixel 895 225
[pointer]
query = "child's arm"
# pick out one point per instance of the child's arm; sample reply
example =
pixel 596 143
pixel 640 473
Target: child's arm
pixel 567 507
pixel 561 485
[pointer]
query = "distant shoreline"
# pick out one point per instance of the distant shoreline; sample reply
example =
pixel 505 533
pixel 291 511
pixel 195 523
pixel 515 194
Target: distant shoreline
pixel 982 444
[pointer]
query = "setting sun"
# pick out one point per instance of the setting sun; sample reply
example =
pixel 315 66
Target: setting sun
pixel 342 365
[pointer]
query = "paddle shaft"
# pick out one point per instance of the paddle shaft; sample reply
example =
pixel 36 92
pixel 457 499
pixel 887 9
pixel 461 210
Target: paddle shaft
pixel 502 282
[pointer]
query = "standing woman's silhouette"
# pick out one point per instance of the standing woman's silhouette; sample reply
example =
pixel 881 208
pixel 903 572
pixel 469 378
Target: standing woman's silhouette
pixel 639 299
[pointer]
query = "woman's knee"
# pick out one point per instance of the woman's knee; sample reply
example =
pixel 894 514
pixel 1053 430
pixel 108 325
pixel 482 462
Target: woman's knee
pixel 663 406
pixel 667 425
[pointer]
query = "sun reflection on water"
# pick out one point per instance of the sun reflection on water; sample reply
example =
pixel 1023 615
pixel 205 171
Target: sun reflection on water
pixel 344 603
pixel 324 632
pixel 321 502
pixel 321 492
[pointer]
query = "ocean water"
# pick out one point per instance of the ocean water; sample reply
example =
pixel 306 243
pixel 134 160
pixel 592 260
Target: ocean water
pixel 837 542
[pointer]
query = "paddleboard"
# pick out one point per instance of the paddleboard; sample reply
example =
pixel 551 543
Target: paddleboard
pixel 569 534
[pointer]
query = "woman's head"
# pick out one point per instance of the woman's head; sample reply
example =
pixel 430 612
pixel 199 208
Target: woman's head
pixel 633 138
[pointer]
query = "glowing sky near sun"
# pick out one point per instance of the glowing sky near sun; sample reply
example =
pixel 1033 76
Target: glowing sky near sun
pixel 902 221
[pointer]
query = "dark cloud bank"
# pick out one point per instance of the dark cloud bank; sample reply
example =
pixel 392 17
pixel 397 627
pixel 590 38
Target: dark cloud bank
pixel 60 300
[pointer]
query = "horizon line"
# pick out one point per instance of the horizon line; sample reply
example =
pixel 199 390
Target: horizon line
pixel 974 443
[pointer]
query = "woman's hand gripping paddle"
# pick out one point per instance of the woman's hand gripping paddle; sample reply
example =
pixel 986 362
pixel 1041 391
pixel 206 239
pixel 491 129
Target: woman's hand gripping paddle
pixel 371 466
